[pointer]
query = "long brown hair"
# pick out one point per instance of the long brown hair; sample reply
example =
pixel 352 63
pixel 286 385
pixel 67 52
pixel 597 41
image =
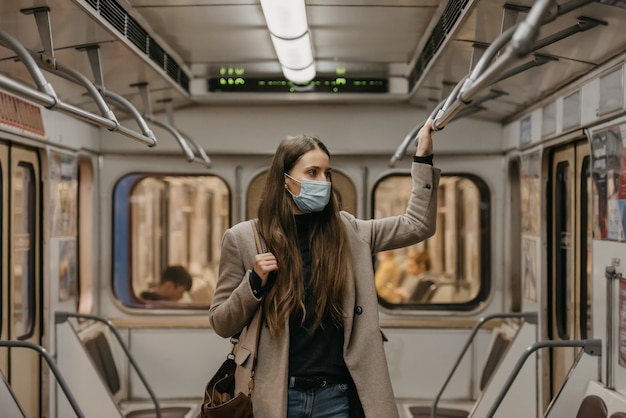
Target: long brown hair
pixel 330 251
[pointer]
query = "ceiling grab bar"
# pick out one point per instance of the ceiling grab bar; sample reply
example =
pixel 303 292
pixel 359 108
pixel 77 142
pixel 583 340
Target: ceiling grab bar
pixel 519 40
pixel 45 96
pixel 47 61
pixel 78 78
pixel 29 62
pixel 584 24
pixel 412 136
pixel 468 87
pixel 147 114
pixel 169 111
pixel 473 83
pixel 121 102
pixel 93 54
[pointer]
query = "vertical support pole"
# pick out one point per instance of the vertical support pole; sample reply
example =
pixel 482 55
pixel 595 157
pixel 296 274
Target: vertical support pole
pixel 610 274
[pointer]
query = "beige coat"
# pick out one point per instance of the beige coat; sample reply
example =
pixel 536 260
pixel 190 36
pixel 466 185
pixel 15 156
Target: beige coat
pixel 234 305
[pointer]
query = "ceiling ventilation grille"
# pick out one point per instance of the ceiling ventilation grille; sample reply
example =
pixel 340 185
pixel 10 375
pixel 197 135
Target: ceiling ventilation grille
pixel 444 26
pixel 113 13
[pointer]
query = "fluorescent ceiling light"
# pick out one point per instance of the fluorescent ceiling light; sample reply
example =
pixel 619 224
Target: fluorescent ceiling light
pixel 300 76
pixel 286 21
pixel 285 18
pixel 295 53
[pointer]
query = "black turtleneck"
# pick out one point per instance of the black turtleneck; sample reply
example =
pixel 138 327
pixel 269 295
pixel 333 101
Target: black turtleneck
pixel 313 352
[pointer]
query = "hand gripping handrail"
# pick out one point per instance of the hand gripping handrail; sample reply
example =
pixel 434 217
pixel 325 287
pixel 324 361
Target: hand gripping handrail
pixel 45 96
pixel 55 370
pixel 527 316
pixel 414 134
pixel 591 347
pixel 61 317
pixel 520 39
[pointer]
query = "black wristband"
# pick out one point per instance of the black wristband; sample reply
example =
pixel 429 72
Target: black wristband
pixel 427 159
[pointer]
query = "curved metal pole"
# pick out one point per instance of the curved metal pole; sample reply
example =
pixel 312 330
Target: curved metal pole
pixel 23 54
pixel 528 316
pixel 46 96
pixel 169 111
pixel 76 76
pixel 592 347
pixel 55 370
pixel 412 135
pixel 445 110
pixel 204 158
pixel 492 51
pixel 61 317
pixel 519 38
pixel 120 101
pixel 179 138
pixel 528 29
pixel 404 145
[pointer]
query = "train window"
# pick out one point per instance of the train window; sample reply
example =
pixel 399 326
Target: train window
pixel 23 223
pixel 342 185
pixel 168 226
pixel 449 270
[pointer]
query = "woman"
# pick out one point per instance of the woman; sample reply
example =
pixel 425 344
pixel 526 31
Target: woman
pixel 321 341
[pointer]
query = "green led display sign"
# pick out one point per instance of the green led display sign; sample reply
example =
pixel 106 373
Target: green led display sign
pixel 234 79
pixel 278 85
pixel 231 81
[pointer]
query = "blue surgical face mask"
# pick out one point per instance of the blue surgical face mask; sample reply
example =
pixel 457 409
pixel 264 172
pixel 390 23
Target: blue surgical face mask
pixel 314 195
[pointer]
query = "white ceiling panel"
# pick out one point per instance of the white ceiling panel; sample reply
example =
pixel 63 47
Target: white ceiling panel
pixel 191 40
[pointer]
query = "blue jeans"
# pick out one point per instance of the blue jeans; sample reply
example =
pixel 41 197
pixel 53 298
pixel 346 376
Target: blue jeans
pixel 330 401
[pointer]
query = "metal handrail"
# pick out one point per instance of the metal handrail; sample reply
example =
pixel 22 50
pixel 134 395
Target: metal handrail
pixel 45 95
pixel 519 40
pixel 591 347
pixel 178 136
pixel 77 77
pixel 527 316
pixel 55 370
pixel 169 111
pixel 29 62
pixel 121 101
pixel 61 317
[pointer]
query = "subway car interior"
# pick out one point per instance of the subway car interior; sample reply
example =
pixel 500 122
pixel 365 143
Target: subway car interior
pixel 135 133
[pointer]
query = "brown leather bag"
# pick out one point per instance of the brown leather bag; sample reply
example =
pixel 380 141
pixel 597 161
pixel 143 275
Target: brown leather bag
pixel 223 395
pixel 218 396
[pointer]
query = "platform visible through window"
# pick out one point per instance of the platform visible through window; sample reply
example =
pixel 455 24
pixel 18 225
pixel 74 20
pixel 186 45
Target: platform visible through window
pixel 447 271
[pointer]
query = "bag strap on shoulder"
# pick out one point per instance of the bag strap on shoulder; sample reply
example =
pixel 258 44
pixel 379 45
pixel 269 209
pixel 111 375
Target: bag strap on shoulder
pixel 260 243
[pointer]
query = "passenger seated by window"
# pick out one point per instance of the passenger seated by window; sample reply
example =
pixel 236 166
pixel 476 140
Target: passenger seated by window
pixel 417 263
pixel 388 276
pixel 175 281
